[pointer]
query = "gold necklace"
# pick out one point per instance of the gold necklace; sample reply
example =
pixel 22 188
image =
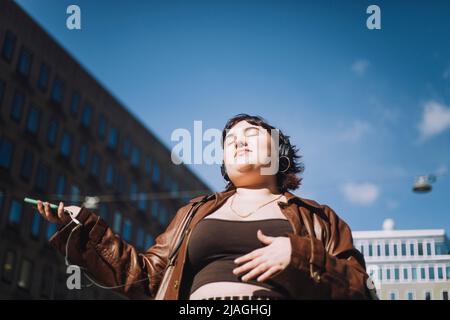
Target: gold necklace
pixel 251 212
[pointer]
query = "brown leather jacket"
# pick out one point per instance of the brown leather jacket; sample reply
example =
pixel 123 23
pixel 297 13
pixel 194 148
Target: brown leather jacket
pixel 326 262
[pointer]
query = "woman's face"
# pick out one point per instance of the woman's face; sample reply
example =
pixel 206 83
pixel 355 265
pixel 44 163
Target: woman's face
pixel 246 150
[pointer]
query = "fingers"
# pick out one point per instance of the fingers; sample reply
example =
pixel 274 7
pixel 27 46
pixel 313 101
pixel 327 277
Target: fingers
pixel 45 211
pixel 248 266
pixel 256 271
pixel 250 256
pixel 269 274
pixel 61 211
pixel 263 238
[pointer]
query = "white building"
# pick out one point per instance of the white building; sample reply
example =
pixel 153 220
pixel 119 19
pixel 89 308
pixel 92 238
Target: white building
pixel 406 264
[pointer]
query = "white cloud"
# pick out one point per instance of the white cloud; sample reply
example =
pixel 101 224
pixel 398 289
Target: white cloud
pixel 360 193
pixel 435 119
pixel 355 131
pixel 359 67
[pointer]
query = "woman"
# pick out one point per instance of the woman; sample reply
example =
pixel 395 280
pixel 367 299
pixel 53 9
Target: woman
pixel 255 240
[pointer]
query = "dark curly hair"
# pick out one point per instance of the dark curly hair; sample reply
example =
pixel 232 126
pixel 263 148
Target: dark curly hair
pixel 287 180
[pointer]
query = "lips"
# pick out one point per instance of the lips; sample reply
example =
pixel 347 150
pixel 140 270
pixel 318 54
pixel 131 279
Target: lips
pixel 242 151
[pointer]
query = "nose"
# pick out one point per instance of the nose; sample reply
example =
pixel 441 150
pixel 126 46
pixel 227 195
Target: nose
pixel 240 144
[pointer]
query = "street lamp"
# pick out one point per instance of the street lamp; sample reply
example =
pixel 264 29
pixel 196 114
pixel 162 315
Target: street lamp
pixel 423 183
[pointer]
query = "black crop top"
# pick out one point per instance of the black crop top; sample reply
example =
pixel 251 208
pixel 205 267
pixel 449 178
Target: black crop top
pixel 215 243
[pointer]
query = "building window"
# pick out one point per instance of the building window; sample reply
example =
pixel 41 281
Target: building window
pixel 44 77
pixel 403 249
pixel 420 245
pixel 51 229
pixel 427 295
pixel 17 106
pixel 52 132
pixel 414 273
pixel 57 90
pixel 148 166
pixel 135 157
pixel 66 144
pixel 33 119
pixel 109 177
pixel 440 248
pixel 370 250
pixel 154 210
pixel 148 241
pixel 26 169
pixel 140 238
pixel 24 63
pixel 15 212
pixel 82 156
pixel 405 274
pixel 431 273
pixel 6 152
pixel 87 116
pixel 392 295
pixel 74 194
pixel 127 230
pixel 142 202
pixel 42 177
pixel 24 280
pixel 133 190
pixel 396 274
pixel 395 249
pixel 445 295
pixel 126 147
pixel 36 224
pixel 103 210
pixel 101 126
pixel 74 103
pixel 156 176
pixel 388 274
pixel 440 273
pixel 112 138
pixel 9 44
pixel 386 249
pixel 411 248
pixel 117 226
pixel 120 184
pixel 448 273
pixel 9 266
pixel 95 165
pixel 422 273
pixel 61 185
pixel 410 295
pixel 429 249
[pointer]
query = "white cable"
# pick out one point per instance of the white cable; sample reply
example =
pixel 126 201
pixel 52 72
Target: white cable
pixel 93 282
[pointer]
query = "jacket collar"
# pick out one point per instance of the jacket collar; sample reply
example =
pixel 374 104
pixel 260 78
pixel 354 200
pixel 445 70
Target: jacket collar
pixel 290 197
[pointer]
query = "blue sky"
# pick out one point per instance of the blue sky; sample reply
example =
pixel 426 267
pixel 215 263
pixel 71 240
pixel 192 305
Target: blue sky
pixel 369 109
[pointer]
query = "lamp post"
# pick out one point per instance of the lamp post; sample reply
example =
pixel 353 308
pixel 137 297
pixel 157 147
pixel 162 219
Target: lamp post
pixel 423 183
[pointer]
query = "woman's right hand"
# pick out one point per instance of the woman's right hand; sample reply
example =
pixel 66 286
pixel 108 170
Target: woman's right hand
pixel 60 217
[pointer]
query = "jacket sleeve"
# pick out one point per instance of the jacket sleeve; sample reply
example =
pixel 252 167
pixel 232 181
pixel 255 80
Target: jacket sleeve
pixel 334 264
pixel 111 261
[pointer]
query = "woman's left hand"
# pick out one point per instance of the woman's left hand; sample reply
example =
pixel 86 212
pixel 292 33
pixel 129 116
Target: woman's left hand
pixel 267 261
